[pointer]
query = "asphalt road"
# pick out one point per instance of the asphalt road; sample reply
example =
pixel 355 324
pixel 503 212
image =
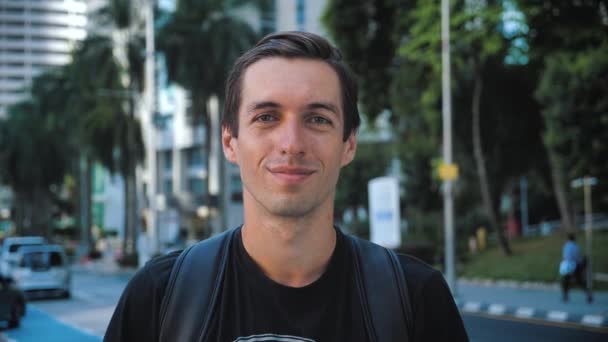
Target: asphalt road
pixel 85 316
pixel 483 328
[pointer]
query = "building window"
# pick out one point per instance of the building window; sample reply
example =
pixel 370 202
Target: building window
pixel 301 14
pixel 194 157
pixel 167 161
pixel 197 186
pixel 168 187
pixel 268 16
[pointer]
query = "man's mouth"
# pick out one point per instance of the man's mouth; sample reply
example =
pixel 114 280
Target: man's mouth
pixel 291 174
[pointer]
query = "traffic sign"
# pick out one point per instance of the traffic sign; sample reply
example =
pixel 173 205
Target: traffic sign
pixel 448 172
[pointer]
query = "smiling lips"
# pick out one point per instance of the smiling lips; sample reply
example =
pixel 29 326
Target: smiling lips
pixel 291 174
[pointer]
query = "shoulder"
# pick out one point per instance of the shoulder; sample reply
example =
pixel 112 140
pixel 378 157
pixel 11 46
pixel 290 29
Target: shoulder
pixel 417 272
pixel 146 288
pixel 158 270
pixel 136 316
pixel 433 305
pixel 148 284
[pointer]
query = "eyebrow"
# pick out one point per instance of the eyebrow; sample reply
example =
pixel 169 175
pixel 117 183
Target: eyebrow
pixel 314 105
pixel 323 105
pixel 263 105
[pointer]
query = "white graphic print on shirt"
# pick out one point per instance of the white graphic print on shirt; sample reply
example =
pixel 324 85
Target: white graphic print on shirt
pixel 272 338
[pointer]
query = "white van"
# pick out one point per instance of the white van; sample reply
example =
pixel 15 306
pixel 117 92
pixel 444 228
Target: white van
pixel 42 268
pixel 10 246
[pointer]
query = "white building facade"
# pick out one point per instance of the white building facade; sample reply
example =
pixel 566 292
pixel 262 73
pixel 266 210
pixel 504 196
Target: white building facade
pixel 35 35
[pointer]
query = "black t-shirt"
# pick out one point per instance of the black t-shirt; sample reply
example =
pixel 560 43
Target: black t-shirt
pixel 255 308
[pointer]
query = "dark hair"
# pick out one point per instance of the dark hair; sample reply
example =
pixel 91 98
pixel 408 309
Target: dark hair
pixel 571 237
pixel 292 44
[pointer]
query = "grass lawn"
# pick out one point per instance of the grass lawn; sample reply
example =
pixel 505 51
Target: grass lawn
pixel 534 259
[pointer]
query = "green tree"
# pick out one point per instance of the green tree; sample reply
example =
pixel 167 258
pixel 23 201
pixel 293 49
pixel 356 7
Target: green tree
pixel 33 157
pixel 496 121
pixel 568 43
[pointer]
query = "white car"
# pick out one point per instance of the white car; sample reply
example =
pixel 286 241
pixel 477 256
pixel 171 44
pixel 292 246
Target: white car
pixel 42 269
pixel 10 246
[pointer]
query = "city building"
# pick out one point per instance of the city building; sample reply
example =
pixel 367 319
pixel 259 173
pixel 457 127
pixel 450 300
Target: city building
pixel 35 35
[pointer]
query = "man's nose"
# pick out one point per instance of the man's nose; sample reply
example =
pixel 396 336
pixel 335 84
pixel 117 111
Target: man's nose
pixel 291 138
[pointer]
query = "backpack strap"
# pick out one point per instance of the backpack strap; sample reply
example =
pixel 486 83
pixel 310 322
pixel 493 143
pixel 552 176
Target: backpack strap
pixel 382 288
pixel 191 297
pixel 193 289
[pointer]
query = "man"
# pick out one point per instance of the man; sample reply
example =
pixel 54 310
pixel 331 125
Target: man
pixel 290 122
pixel 573 265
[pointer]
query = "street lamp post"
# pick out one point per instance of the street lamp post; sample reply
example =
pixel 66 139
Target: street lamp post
pixel 587 182
pixel 448 201
pixel 150 76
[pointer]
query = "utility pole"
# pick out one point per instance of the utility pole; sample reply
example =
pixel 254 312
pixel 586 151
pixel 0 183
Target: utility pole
pixel 448 200
pixel 150 75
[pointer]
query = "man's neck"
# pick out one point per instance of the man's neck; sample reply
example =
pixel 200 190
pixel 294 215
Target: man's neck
pixel 293 253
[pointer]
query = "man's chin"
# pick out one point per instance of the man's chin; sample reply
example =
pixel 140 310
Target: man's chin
pixel 290 208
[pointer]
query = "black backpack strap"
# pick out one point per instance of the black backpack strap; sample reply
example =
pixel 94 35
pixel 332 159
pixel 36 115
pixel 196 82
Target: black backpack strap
pixel 380 281
pixel 197 275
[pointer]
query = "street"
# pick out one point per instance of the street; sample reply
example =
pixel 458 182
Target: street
pixel 85 316
pixel 485 329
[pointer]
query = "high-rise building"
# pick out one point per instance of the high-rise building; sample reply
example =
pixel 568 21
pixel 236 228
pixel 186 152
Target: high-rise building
pixel 35 35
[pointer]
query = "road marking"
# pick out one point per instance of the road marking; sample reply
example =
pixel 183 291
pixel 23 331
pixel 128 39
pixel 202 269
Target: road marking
pixel 594 320
pixel 524 312
pixel 497 309
pixel 472 307
pixel 557 316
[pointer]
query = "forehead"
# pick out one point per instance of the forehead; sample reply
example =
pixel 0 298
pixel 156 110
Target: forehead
pixel 289 81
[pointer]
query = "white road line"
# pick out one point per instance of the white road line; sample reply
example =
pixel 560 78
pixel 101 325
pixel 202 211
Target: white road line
pixel 557 316
pixel 472 307
pixel 524 312
pixel 594 320
pixel 497 309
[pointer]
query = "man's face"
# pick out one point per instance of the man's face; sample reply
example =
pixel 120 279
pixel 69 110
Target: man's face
pixel 289 147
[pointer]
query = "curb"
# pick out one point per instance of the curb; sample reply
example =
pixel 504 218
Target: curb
pixel 497 309
pixel 509 284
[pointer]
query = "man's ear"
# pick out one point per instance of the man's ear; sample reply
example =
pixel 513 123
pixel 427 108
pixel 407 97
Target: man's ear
pixel 350 147
pixel 228 144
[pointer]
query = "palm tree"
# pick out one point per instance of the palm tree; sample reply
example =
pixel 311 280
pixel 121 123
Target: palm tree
pixel 34 157
pixel 200 41
pixel 109 132
pixel 120 15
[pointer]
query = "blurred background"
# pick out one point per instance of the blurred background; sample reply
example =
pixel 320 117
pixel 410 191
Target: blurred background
pixel 110 148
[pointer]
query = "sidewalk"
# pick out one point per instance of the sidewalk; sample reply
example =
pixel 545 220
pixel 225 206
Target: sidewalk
pixel 103 266
pixel 532 301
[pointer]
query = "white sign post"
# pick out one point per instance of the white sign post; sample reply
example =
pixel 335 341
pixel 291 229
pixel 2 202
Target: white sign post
pixel 384 217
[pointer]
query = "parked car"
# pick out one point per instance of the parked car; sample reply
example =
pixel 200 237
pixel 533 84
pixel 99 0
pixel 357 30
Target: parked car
pixel 10 246
pixel 42 269
pixel 12 302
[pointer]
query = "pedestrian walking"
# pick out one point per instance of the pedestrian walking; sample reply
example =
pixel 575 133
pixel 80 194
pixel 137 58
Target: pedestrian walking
pixel 573 267
pixel 288 273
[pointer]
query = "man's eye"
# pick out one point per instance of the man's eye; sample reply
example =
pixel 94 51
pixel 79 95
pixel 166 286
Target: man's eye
pixel 265 118
pixel 320 120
